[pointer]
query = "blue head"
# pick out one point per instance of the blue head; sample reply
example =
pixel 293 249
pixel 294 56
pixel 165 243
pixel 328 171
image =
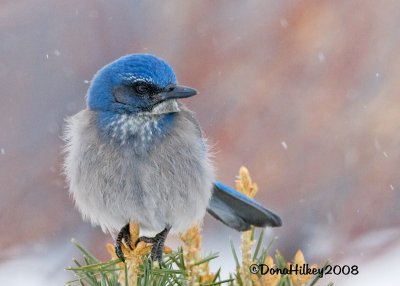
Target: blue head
pixel 135 83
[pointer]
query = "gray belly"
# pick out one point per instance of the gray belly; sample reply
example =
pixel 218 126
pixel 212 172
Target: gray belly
pixel 165 186
pixel 169 184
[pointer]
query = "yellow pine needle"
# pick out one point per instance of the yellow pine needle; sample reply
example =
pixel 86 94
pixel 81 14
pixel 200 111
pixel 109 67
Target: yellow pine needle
pixel 191 253
pixel 245 185
pixel 245 248
pixel 255 280
pixel 270 279
pixel 300 279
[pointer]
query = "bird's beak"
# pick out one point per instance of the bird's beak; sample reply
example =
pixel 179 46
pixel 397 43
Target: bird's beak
pixel 177 91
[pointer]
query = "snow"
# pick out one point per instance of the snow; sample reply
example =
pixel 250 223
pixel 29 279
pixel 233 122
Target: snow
pixel 36 265
pixel 377 144
pixel 284 22
pixel 375 268
pixel 321 57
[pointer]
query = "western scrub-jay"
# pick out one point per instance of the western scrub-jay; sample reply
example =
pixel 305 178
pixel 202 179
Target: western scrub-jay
pixel 136 154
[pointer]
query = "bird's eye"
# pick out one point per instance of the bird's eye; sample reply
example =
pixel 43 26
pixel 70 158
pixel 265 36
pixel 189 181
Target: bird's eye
pixel 142 89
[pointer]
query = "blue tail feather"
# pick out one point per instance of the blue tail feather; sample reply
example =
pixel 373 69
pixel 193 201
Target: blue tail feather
pixel 239 211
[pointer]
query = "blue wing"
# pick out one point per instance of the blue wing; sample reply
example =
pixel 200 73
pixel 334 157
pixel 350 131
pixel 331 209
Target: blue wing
pixel 238 211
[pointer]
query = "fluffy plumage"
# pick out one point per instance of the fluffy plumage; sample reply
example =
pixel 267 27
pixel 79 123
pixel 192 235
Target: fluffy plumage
pixel 136 154
pixel 115 181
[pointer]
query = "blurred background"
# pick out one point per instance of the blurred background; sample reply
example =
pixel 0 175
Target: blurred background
pixel 303 93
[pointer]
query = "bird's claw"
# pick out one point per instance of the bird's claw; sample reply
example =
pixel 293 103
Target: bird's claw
pixel 146 239
pixel 158 242
pixel 125 235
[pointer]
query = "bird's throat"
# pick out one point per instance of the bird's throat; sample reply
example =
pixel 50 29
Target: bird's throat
pixel 164 107
pixel 137 131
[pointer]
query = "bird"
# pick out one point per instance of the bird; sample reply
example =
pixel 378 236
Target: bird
pixel 137 154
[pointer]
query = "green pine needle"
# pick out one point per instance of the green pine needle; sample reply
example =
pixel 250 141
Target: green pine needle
pixel 173 271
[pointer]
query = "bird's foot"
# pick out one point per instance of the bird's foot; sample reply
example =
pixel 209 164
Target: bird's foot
pixel 158 242
pixel 123 235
